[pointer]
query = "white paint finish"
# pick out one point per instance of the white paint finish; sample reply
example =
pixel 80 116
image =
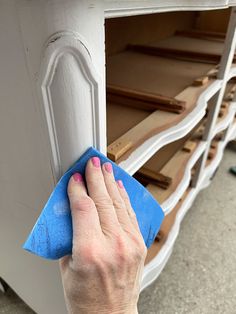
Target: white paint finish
pixel 25 174
pixel 229 47
pixel 145 151
pixel 50 89
pixel 170 203
pixel 26 165
pixel 153 269
pixel 119 8
pixel 211 168
pixel 68 81
pixel 155 266
pixel 80 25
pixel 224 73
pixel 232 73
pixel 223 124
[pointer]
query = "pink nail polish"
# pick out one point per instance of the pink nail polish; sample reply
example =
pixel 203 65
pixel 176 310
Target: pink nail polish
pixel 96 162
pixel 108 167
pixel 77 177
pixel 120 184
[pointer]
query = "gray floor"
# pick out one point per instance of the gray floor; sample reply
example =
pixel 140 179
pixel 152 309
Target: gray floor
pixel 200 277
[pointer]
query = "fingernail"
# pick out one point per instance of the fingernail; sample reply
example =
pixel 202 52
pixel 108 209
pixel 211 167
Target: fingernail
pixel 96 162
pixel 108 167
pixel 120 183
pixel 77 177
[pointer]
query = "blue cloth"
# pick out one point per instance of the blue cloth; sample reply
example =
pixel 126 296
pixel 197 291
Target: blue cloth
pixel 51 237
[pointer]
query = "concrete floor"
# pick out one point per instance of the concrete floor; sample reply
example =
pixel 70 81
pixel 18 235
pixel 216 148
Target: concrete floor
pixel 200 277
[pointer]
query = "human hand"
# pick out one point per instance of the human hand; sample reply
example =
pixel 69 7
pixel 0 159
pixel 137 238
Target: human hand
pixel 104 272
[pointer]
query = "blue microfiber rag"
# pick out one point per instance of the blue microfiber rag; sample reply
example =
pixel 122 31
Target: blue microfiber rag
pixel 51 236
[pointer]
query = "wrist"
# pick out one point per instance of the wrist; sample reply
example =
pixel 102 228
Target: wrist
pixel 130 310
pixel 75 310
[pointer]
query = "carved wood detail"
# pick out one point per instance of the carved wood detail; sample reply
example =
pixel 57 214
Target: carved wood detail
pixel 69 90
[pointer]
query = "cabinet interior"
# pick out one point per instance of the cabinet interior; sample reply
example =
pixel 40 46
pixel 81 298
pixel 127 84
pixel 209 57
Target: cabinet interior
pixel 157 66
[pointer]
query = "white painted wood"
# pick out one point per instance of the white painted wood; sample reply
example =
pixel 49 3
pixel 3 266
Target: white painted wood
pixel 145 151
pixel 229 47
pixel 118 8
pixel 153 269
pixel 231 73
pixel 52 96
pixel 67 81
pixel 197 173
pixel 226 122
pixel 211 168
pixel 224 73
pixel 172 201
pixel 156 265
pixel 70 73
pixel 52 108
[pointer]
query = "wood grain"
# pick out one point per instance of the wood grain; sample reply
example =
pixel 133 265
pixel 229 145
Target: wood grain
pixel 116 150
pixel 174 169
pixel 184 48
pixel 143 100
pixel 202 34
pixel 200 81
pixel 196 56
pixel 189 146
pixel 153 177
pixel 150 75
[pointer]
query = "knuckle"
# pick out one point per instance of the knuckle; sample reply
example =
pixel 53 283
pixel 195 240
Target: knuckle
pixel 87 255
pixel 120 244
pixel 103 201
pixel 96 260
pixel 126 198
pixel 127 202
pixel 139 245
pixel 83 203
pixel 118 203
pixel 138 254
pixel 123 251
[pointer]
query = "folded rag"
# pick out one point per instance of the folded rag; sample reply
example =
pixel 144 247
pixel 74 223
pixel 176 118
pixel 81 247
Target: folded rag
pixel 51 237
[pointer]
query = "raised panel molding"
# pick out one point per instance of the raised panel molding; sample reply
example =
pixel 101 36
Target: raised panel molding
pixel 69 90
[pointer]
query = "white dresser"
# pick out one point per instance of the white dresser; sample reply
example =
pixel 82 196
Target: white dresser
pixel 53 107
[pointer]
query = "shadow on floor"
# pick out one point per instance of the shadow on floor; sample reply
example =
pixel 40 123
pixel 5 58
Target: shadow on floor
pixel 10 303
